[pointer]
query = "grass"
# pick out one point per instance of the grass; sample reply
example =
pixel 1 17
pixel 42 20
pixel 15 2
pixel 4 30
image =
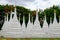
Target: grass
pixel 29 38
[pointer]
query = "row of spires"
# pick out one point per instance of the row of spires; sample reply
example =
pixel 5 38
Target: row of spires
pixel 36 21
pixel 21 31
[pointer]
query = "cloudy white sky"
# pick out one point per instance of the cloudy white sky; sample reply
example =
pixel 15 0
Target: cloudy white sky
pixel 32 4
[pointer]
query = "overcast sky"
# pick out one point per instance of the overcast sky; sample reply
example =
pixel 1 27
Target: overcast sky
pixel 32 4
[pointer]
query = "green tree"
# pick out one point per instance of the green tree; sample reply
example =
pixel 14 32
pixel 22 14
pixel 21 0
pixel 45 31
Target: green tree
pixel 1 16
pixel 22 11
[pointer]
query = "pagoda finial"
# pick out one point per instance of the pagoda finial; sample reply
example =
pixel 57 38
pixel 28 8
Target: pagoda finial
pixel 29 17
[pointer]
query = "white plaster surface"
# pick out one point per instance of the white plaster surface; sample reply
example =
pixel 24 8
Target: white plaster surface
pixel 13 29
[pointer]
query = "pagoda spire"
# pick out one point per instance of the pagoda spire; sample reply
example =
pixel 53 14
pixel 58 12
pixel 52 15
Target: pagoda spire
pixel 29 25
pixel 36 23
pixel 55 21
pixel 55 24
pixel 50 22
pixel 45 23
pixel 23 25
pixel 29 18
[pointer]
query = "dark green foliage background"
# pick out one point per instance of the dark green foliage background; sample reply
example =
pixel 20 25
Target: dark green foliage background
pixel 22 11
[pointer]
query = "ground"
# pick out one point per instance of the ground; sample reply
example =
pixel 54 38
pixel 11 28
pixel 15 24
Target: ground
pixel 29 38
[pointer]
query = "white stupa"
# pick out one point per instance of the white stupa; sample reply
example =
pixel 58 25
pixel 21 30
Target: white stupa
pixel 12 29
pixel 50 22
pixel 23 25
pixel 4 25
pixel 29 25
pixel 24 28
pixel 55 24
pixel 11 15
pixel 5 22
pixel 36 23
pixel 29 29
pixel 54 29
pixel 36 30
pixel 45 27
